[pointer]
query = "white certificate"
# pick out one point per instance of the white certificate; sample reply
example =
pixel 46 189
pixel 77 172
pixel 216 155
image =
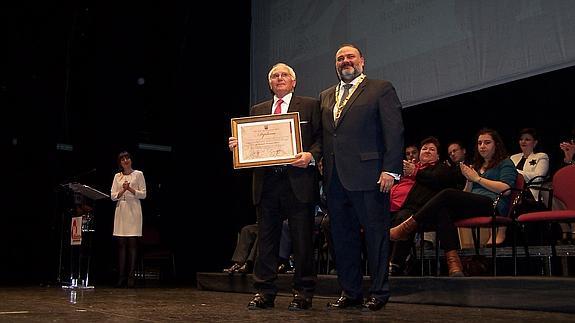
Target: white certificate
pixel 266 140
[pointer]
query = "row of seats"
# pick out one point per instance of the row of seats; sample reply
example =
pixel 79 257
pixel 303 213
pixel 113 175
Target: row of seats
pixel 561 190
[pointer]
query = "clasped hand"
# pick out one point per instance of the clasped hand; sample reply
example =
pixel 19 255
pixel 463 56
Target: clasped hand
pixel 469 173
pixel 126 187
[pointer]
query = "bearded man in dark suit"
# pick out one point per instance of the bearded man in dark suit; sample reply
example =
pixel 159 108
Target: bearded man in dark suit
pixel 362 156
pixel 289 191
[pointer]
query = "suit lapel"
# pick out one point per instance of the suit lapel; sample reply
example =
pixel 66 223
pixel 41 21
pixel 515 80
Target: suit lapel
pixel 330 97
pixel 264 108
pixel 293 104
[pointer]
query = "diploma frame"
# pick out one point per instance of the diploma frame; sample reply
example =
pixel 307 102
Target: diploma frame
pixel 266 140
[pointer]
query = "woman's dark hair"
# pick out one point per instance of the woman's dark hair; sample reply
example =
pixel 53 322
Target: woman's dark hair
pixel 431 140
pixel 529 131
pixel 122 155
pixel 533 133
pixel 499 154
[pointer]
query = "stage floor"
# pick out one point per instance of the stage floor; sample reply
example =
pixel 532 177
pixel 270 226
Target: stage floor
pixel 42 304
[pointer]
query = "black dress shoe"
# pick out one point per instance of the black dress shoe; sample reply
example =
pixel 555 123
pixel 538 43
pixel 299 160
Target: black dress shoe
pixel 345 302
pixel 261 301
pixel 299 303
pixel 234 268
pixel 374 304
pixel 245 269
pixel 282 269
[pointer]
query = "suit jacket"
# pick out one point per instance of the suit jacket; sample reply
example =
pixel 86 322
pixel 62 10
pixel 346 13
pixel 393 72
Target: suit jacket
pixel 304 181
pixel 536 164
pixel 368 138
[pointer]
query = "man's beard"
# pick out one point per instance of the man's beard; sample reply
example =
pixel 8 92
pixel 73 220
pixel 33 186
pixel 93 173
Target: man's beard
pixel 347 75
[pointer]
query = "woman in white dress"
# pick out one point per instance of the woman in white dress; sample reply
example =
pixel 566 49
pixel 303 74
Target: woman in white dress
pixel 128 188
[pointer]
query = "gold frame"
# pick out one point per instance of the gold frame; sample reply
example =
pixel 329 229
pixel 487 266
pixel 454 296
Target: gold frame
pixel 262 124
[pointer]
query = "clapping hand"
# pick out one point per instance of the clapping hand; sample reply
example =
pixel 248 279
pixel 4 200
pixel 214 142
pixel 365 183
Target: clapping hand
pixel 469 173
pixel 568 148
pixel 408 167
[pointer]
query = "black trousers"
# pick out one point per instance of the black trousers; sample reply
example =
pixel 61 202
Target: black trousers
pixel 349 212
pixel 247 244
pixel 278 202
pixel 449 205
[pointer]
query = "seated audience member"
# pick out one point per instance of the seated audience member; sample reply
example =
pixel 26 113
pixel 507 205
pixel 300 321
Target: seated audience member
pixel 457 154
pixel 412 153
pixel 245 252
pixel 529 163
pixel 491 173
pixel 286 259
pixel 399 190
pixel 533 166
pixel 429 177
pixel 246 248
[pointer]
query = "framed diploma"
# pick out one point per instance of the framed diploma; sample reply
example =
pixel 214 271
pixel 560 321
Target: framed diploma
pixel 266 140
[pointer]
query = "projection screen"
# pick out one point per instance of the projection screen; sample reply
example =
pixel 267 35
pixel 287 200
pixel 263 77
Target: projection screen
pixel 428 49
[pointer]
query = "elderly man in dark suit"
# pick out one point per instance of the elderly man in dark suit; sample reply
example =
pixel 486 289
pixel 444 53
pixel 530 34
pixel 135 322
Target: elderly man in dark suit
pixel 290 191
pixel 362 156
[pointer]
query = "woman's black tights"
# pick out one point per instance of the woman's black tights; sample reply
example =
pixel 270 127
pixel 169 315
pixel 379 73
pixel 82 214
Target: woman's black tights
pixel 127 256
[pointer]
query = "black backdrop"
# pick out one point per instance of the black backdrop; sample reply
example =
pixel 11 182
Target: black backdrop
pixel 71 75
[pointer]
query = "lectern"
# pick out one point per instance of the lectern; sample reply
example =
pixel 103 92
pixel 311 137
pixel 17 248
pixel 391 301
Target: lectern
pixel 82 227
